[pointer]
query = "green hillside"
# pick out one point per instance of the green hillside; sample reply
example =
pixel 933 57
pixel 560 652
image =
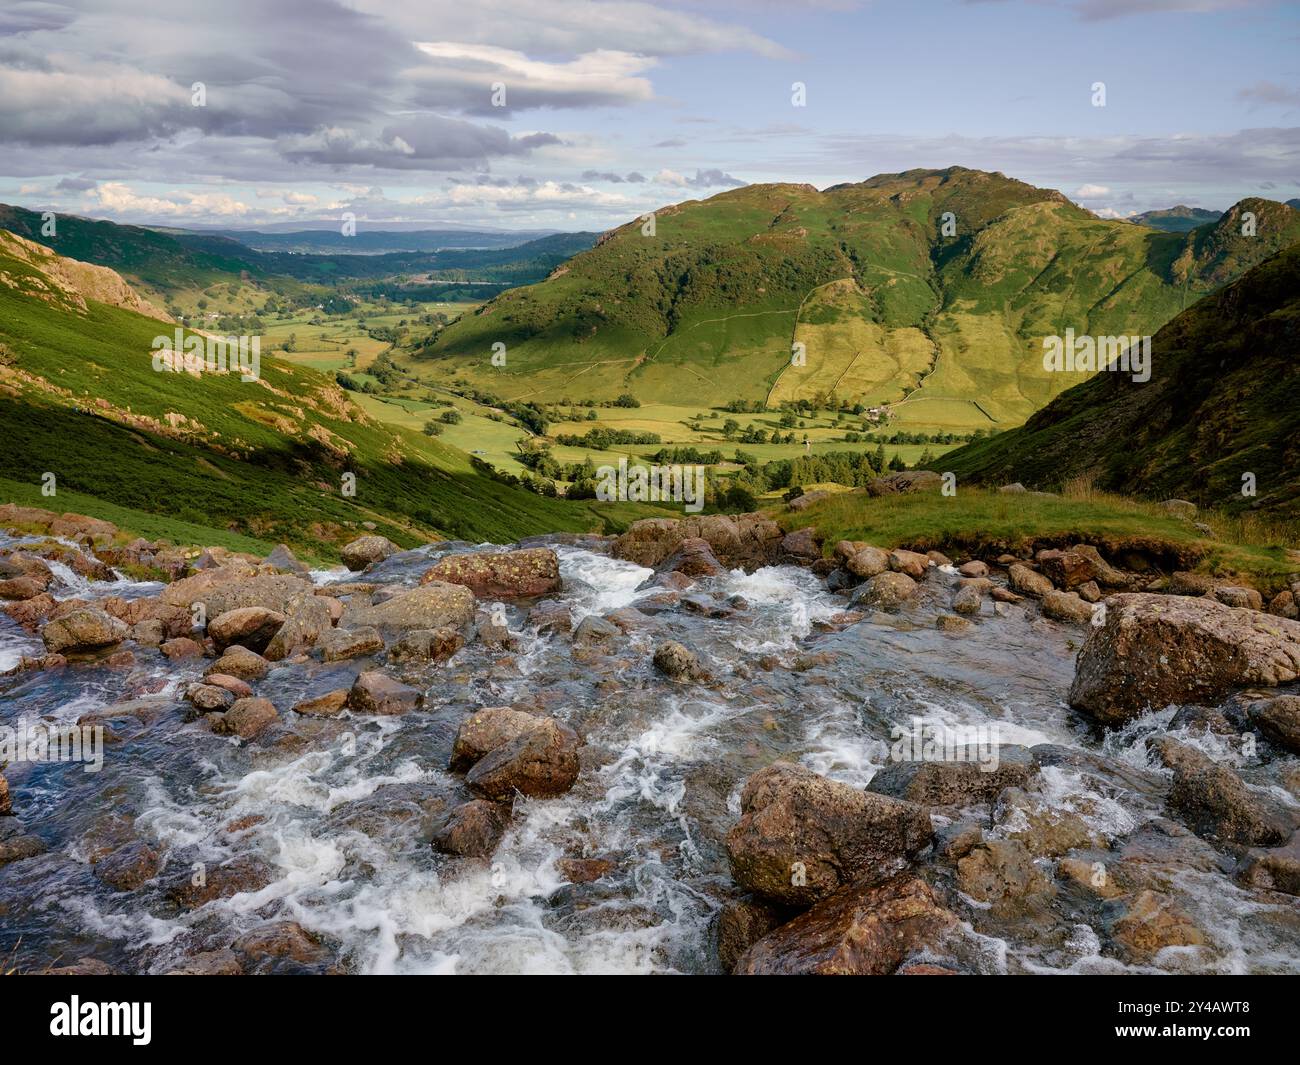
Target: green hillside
pixel 264 459
pixel 946 330
pixel 1221 403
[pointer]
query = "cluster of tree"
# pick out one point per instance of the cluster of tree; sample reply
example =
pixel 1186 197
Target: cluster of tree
pixel 601 438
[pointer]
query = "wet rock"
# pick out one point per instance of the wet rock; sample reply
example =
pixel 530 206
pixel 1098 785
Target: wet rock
pixel 249 626
pixel 522 574
pixel 367 550
pixel 584 870
pixel 20 588
pixel 742 923
pixel 84 967
pixel 472 829
pixel 885 591
pixel 431 606
pixel 233 684
pixel 207 698
pixel 377 693
pixel 1067 607
pixel 308 618
pixel 957 839
pixel 593 631
pixel 129 867
pixel 330 704
pixel 181 647
pixel 426 645
pixel 974 568
pixel 855 932
pixel 284 560
pixel 31 613
pixel 802 836
pixel 1149 922
pixel 1274 870
pixel 968 600
pixel 692 558
pixel 336 645
pixel 19 848
pixel 1045 829
pixel 280 940
pixel 193 888
pixel 1005 595
pixel 83 630
pixel 542 763
pixel 1215 803
pixel 487 729
pixel 1091 876
pixel 678 662
pixel 910 562
pixel 209 963
pixel 241 663
pixel 148 633
pixel 247 718
pixel 551 617
pixel 1027 581
pixel 972 775
pixel 1159 649
pixel 1000 871
pixel 951 623
pixel 1279 720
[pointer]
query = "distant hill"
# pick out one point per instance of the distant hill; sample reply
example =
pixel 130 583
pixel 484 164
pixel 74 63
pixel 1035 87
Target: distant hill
pixel 928 290
pixel 168 260
pixel 368 241
pixel 1178 219
pixel 1220 404
pixel 263 459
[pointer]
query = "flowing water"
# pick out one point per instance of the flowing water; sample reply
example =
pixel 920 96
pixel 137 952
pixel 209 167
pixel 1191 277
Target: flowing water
pixel 340 809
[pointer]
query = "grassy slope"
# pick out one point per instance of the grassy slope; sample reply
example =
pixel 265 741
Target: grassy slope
pixel 1221 402
pixel 710 305
pixel 262 460
pixel 980 520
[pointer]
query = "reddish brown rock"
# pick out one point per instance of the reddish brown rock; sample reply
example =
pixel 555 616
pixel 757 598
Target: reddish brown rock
pixel 855 932
pixel 472 829
pixel 540 764
pixel 522 574
pixel 801 836
pixel 376 693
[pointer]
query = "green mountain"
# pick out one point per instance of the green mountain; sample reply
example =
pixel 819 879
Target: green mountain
pixel 943 322
pixel 1180 219
pixel 1220 404
pixel 184 454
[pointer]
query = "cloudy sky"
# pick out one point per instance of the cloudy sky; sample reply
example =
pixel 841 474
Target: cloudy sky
pixel 580 114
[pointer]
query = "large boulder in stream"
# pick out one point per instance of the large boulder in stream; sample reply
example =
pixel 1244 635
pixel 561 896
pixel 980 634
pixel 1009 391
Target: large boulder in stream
pixel 83 630
pixel 431 606
pixel 745 541
pixel 972 774
pixel 248 626
pixel 802 836
pixel 367 550
pixel 541 763
pixel 857 931
pixel 1154 650
pixel 526 574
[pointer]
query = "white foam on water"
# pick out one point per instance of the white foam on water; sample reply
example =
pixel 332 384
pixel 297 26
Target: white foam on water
pixel 597 584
